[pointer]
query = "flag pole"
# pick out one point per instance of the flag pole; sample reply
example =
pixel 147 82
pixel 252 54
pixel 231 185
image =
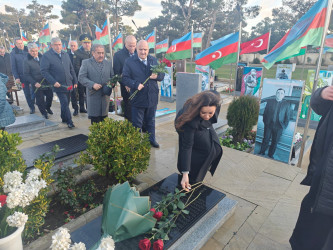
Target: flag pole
pixel 238 51
pixel 269 39
pixel 306 128
pixel 191 49
pixel 155 41
pixel 109 33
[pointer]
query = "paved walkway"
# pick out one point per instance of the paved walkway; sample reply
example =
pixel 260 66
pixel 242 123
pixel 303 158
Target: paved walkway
pixel 268 192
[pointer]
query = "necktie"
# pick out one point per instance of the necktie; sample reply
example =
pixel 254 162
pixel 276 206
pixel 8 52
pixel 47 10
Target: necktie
pixel 36 59
pixel 145 62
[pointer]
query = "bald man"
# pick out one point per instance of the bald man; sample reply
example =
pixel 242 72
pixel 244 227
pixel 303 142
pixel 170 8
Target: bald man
pixel 118 65
pixel 136 70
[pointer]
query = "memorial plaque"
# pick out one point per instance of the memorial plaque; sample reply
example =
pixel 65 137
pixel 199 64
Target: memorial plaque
pixel 207 200
pixel 68 146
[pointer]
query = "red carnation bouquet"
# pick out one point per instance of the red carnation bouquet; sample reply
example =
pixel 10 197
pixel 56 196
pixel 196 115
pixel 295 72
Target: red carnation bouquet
pixel 166 212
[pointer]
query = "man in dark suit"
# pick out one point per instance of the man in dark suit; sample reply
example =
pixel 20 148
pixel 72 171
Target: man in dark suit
pixel 73 47
pixel 58 70
pixel 136 70
pixel 32 75
pixel 276 118
pixel 118 64
pixel 81 54
pixel 5 68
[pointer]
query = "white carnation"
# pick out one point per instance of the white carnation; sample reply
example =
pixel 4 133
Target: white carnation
pixel 78 246
pixel 14 198
pixel 107 243
pixel 61 240
pixel 12 180
pixel 18 219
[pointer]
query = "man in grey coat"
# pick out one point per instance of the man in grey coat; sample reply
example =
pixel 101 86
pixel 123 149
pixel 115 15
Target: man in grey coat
pixel 95 74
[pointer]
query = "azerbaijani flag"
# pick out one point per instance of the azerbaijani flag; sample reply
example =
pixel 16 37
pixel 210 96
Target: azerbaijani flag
pixel 118 42
pixel 329 41
pixel 151 40
pixel 197 40
pixel 44 35
pixel 69 41
pixel 162 46
pixel 24 38
pixel 220 53
pixel 104 35
pixel 307 31
pixel 180 48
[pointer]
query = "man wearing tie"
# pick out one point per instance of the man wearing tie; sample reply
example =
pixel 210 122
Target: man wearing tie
pixel 136 70
pixel 73 47
pixel 33 77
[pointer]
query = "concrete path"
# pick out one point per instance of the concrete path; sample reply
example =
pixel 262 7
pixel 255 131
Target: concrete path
pixel 268 192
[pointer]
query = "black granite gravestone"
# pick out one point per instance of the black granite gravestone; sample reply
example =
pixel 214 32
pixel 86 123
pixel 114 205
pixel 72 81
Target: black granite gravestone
pixel 208 199
pixel 68 146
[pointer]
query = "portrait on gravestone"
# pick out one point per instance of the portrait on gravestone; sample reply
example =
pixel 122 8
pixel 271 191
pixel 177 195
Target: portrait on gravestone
pixel 284 71
pixel 251 81
pixel 166 84
pixel 277 119
pixel 204 71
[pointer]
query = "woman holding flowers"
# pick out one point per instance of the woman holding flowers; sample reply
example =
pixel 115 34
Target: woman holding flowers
pixel 199 147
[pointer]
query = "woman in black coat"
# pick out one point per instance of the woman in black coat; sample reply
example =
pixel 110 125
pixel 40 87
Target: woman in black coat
pixel 199 147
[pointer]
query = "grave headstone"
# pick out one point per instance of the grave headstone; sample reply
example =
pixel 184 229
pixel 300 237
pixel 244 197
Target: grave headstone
pixel 187 85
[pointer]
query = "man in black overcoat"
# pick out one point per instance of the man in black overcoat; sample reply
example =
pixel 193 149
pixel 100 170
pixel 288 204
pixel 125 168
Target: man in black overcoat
pixel 71 52
pixel 314 227
pixel 118 64
pixel 276 118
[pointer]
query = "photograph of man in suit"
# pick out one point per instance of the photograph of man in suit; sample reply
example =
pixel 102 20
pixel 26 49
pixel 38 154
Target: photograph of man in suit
pixel 276 118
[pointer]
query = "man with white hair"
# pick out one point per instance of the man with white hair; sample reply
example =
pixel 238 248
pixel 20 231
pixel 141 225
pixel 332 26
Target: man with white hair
pixel 33 77
pixel 73 47
pixel 58 70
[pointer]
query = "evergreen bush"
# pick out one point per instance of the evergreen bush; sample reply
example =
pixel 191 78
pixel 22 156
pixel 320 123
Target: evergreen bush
pixel 242 115
pixel 116 148
pixel 256 61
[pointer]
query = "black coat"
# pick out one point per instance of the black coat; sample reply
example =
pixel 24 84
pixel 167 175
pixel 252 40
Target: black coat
pixel 136 72
pixel 32 72
pixel 71 56
pixel 283 114
pixel 56 69
pixel 320 170
pixel 199 148
pixel 5 67
pixel 17 58
pixel 79 56
pixel 119 59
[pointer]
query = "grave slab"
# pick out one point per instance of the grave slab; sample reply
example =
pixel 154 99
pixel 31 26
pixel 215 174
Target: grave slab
pixel 28 124
pixel 68 146
pixel 209 211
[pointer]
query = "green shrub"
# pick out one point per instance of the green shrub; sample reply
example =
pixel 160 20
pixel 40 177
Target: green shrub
pixel 117 148
pixel 308 59
pixel 11 160
pixel 287 61
pixel 256 61
pixel 242 115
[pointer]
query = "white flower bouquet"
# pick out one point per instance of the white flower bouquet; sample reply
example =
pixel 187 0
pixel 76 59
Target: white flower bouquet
pixel 18 194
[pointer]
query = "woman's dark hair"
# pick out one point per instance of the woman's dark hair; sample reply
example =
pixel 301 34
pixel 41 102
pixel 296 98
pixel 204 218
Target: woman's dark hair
pixel 194 104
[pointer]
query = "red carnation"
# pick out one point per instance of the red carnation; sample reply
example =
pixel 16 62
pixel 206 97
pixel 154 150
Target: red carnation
pixel 69 190
pixel 145 244
pixel 158 245
pixel 158 215
pixel 167 62
pixel 3 200
pixel 66 212
pixel 22 84
pixel 153 210
pixel 70 87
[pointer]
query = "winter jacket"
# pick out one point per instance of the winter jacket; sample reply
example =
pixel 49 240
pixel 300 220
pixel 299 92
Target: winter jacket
pixel 17 58
pixel 7 116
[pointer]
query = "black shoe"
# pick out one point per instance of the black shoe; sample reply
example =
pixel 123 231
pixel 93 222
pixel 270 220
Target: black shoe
pixel 49 111
pixel 154 144
pixel 76 112
pixel 32 111
pixel 272 157
pixel 63 121
pixel 83 110
pixel 71 125
pixel 46 116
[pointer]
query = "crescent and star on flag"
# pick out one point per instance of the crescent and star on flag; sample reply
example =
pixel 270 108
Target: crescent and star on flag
pixel 261 41
pixel 217 55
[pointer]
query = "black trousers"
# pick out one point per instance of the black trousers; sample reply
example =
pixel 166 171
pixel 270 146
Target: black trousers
pixel 274 132
pixel 144 119
pixel 312 230
pixel 74 99
pixel 96 119
pixel 127 103
pixel 82 91
pixel 44 98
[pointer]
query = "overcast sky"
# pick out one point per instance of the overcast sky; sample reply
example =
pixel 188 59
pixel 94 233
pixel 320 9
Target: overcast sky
pixel 150 9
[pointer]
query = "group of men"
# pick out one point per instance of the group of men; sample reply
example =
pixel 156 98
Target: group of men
pixel 86 71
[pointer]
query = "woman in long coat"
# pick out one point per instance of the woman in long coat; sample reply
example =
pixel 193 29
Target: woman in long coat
pixel 199 147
